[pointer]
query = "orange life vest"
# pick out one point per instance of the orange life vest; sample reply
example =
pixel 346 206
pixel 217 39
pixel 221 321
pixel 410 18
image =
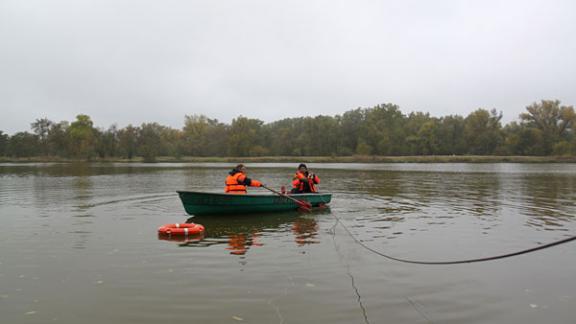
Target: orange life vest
pixel 301 181
pixel 235 183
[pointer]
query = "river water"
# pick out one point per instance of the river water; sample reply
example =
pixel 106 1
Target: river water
pixel 79 244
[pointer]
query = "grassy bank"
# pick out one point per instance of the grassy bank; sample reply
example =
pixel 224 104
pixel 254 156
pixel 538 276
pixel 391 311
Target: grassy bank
pixel 322 159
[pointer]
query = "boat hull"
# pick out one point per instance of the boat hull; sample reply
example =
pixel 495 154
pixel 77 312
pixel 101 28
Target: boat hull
pixel 206 203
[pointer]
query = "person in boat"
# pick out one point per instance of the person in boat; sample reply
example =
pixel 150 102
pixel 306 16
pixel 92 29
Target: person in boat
pixel 237 181
pixel 304 181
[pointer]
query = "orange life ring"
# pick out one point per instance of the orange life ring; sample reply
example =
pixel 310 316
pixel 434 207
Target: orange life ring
pixel 181 229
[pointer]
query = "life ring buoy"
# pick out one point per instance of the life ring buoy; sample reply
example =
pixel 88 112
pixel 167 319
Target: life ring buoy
pixel 181 229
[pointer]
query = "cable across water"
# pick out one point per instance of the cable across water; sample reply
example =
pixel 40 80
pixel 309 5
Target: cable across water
pixel 491 258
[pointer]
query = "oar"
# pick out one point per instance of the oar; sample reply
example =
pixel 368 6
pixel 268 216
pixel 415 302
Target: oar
pixel 303 204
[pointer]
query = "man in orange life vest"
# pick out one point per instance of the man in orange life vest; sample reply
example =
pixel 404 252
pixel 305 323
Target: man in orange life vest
pixel 237 181
pixel 303 181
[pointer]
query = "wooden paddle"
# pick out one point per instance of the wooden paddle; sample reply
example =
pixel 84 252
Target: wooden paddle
pixel 303 204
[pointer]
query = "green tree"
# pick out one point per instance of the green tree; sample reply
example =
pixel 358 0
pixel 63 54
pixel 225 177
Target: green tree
pixel 315 136
pixel 419 129
pixel 451 135
pixel 41 128
pixel 128 141
pixel 82 137
pixel 149 141
pixel 482 131
pixel 4 140
pixel 430 144
pixel 363 148
pixel 23 144
pixel 170 140
pixel 523 140
pixel 107 142
pixel 203 136
pixel 245 137
pixel 324 132
pixel 383 130
pixel 350 125
pixel 58 139
pixel 555 122
pixel 546 128
pixel 562 148
pixel 218 140
pixel 280 137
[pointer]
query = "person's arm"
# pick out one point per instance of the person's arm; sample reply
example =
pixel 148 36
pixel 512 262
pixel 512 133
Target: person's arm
pixel 298 178
pixel 315 178
pixel 249 182
pixel 255 183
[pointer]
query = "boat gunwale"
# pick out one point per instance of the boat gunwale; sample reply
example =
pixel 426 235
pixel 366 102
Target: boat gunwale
pixel 252 195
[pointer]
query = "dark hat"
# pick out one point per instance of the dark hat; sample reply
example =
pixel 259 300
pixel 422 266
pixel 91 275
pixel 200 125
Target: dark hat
pixel 302 165
pixel 237 169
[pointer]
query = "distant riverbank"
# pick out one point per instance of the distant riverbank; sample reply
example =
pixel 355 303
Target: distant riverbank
pixel 318 159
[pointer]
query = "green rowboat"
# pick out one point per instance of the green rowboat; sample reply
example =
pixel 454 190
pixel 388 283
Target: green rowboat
pixel 207 203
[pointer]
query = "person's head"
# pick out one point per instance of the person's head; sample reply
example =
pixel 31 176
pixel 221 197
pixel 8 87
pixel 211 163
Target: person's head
pixel 302 168
pixel 240 168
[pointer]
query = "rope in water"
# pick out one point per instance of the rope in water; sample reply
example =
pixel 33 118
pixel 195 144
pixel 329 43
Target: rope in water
pixel 491 258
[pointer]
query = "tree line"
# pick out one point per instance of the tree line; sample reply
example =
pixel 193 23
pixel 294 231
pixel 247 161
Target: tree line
pixel 546 128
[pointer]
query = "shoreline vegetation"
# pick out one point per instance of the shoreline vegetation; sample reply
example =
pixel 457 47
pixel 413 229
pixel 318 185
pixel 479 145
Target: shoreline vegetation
pixel 546 132
pixel 310 159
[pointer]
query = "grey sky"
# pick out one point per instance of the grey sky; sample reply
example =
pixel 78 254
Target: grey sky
pixel 136 61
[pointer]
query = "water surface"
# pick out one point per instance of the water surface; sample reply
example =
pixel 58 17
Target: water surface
pixel 78 244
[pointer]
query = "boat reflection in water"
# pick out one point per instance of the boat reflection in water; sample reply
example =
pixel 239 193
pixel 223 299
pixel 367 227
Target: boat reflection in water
pixel 239 234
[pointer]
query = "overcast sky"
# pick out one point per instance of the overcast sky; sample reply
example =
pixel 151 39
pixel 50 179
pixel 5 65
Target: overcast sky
pixel 137 61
